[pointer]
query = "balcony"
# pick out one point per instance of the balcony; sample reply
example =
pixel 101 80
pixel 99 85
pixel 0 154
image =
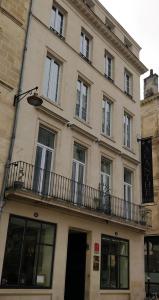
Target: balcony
pixel 27 181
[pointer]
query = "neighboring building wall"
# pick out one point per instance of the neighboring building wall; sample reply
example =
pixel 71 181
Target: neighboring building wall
pixel 121 88
pixel 13 19
pixel 150 128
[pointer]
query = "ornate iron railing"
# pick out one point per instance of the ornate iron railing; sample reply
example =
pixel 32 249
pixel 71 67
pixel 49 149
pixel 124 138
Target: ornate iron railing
pixel 22 175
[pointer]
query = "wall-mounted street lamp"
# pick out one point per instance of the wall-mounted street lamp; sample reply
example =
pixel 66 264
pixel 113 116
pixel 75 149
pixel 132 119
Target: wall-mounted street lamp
pixel 33 100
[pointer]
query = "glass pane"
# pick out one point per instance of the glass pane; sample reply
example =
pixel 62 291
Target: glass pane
pixel 13 251
pixel 86 47
pixel 78 98
pixel 46 137
pixel 84 102
pixel 28 268
pixel 103 116
pixel 81 43
pixel 46 172
pixel 79 153
pixel 53 12
pixel 46 76
pixel 44 266
pixel 59 23
pixel 127 176
pixel 123 267
pixel 123 246
pixel 38 170
pixel 47 234
pixel 105 166
pixel 80 183
pixel 53 80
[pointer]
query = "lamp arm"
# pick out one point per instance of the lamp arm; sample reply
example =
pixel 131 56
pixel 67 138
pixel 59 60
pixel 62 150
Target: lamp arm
pixel 16 97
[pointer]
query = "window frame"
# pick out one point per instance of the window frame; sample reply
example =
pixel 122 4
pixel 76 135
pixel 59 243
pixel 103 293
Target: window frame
pixel 86 36
pixel 19 286
pixel 128 264
pixel 127 117
pixel 106 66
pixel 128 88
pixel 47 78
pixel 82 84
pixel 58 11
pixel 106 101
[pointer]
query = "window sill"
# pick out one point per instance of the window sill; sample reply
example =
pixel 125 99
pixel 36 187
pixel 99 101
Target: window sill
pixel 85 58
pixel 51 102
pixel 114 291
pixel 128 95
pixel 109 78
pixel 108 137
pixel 83 122
pixel 57 33
pixel 129 149
pixel 149 204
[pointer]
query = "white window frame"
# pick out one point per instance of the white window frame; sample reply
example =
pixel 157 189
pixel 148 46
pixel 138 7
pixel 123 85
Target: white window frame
pixel 48 79
pixel 108 57
pixel 105 104
pixel 127 84
pixel 82 84
pixel 78 164
pixel 127 186
pixel 54 22
pixel 127 135
pixel 106 175
pixel 83 37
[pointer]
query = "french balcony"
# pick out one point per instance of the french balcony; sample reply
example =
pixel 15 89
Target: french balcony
pixel 26 181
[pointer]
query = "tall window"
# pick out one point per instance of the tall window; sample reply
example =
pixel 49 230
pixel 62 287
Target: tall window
pixel 44 161
pixel 127 130
pixel 57 20
pixel 106 116
pixel 127 193
pixel 127 83
pixel 29 254
pixel 51 79
pixel 85 45
pixel 82 100
pixel 108 65
pixel 114 263
pixel 106 170
pixel 78 172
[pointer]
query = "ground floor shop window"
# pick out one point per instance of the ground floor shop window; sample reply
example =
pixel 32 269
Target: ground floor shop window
pixel 29 253
pixel 114 263
pixel 152 264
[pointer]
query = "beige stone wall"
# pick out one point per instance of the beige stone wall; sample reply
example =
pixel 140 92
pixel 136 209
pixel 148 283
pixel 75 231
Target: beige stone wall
pixel 13 17
pixel 94 228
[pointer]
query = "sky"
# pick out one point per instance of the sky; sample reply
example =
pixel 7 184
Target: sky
pixel 140 19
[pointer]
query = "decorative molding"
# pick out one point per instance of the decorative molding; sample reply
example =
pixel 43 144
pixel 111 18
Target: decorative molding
pixel 109 147
pixel 129 158
pixel 109 35
pixel 52 114
pixel 83 132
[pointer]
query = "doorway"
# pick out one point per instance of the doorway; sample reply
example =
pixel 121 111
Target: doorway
pixel 75 268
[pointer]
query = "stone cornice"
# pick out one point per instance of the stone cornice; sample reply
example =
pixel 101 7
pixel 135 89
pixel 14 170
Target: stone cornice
pixel 109 147
pixel 52 114
pixel 149 99
pixel 83 132
pixel 110 36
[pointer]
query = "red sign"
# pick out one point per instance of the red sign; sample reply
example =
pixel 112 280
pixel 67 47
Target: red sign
pixel 96 247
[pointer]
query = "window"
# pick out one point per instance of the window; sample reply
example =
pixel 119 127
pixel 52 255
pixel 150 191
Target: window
pixel 128 83
pixel 29 254
pixel 106 116
pixel 78 172
pixel 127 130
pixel 106 171
pixel 127 193
pixel 57 20
pixel 82 100
pixel 152 263
pixel 108 66
pixel 44 161
pixel 114 263
pixel 51 79
pixel 85 45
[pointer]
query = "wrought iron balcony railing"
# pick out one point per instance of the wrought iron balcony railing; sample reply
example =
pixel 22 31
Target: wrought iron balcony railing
pixel 22 175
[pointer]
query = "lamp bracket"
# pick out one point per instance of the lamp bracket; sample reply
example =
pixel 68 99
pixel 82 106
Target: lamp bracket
pixel 19 97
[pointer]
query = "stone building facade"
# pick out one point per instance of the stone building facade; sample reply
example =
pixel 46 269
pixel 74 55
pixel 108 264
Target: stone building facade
pixel 150 134
pixel 13 23
pixel 72 223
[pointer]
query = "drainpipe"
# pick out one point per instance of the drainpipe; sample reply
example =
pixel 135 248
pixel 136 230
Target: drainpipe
pixel 15 120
